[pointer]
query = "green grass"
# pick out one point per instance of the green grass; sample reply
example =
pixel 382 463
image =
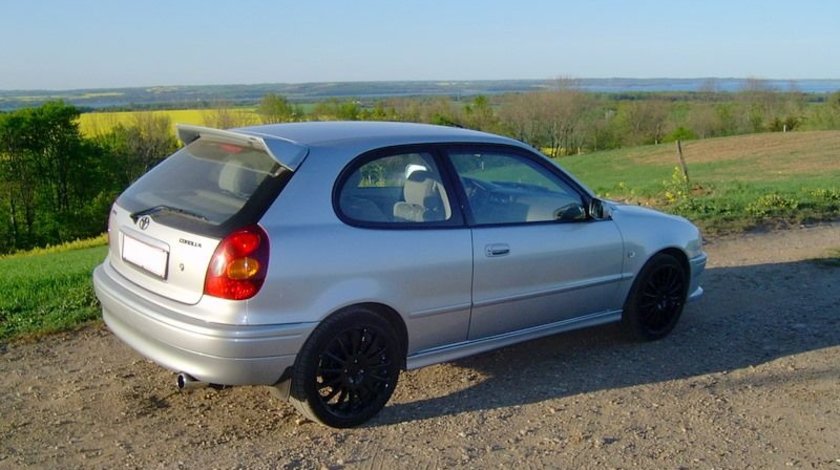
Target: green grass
pixel 47 293
pixel 735 183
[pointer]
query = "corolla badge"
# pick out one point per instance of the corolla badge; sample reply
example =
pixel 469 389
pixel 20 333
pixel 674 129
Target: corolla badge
pixel 143 222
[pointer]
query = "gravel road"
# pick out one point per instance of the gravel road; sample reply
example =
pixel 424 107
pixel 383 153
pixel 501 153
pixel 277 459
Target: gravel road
pixel 750 378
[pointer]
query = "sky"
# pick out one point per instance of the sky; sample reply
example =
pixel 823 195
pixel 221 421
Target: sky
pixel 69 44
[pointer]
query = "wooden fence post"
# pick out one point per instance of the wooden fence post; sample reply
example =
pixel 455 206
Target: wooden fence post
pixel 683 166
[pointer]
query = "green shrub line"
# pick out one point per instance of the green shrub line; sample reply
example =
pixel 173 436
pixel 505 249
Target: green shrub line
pixel 60 248
pixel 740 206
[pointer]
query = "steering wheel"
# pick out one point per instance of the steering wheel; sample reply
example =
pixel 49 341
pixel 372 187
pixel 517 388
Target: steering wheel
pixel 474 188
pixel 477 191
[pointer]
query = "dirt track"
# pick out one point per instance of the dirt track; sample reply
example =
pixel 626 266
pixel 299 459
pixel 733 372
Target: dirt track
pixel 750 378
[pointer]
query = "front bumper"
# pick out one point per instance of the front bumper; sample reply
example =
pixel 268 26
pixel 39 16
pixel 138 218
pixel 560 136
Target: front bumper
pixel 211 352
pixel 697 265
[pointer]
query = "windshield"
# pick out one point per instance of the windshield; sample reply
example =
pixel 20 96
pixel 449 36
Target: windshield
pixel 207 180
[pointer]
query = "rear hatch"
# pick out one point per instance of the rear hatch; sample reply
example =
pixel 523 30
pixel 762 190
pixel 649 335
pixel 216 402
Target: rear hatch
pixel 165 227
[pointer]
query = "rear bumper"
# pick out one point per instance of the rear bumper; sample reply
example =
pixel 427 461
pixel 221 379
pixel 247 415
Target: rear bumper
pixel 697 265
pixel 210 352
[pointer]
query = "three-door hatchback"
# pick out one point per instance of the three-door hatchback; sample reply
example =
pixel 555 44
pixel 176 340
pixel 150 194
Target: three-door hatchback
pixel 323 258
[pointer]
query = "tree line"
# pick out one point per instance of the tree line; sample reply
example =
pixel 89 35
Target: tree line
pixel 57 185
pixel 565 120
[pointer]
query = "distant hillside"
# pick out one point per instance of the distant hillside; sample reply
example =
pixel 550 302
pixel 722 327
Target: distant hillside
pixel 200 96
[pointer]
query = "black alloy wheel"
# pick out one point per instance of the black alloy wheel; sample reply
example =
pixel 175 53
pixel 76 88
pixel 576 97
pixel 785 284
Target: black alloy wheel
pixel 657 298
pixel 347 370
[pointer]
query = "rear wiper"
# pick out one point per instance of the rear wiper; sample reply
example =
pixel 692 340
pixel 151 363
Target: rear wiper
pixel 164 208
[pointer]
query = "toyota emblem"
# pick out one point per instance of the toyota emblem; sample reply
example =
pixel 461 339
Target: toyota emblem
pixel 143 223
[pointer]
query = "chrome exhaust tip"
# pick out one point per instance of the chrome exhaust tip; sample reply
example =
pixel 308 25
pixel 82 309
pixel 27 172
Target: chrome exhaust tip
pixel 188 382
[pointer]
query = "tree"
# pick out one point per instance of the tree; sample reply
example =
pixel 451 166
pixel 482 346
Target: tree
pixel 333 109
pixel 479 115
pixel 49 175
pixel 135 148
pixel 551 120
pixel 764 109
pixel 601 129
pixel 224 116
pixel 275 108
pixel 644 121
pixel 826 116
pixel 438 110
pixel 380 112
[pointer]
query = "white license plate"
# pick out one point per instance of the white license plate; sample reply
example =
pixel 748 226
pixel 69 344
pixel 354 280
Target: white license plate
pixel 144 256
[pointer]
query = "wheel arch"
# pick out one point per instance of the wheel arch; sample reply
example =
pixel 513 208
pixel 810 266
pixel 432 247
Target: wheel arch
pixel 636 326
pixel 351 367
pixel 389 314
pixel 385 311
pixel 393 318
pixel 680 256
pixel 672 251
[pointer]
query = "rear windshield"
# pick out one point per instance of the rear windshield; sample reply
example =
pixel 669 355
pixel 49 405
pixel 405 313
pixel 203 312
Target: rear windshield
pixel 207 181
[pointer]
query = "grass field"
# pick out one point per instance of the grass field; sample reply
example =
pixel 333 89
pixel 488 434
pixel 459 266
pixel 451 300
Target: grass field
pixel 734 182
pixel 47 292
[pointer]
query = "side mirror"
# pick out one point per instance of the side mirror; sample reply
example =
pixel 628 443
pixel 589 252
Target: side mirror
pixel 598 210
pixel 572 211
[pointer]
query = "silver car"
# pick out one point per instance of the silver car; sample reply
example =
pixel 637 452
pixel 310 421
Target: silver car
pixel 323 258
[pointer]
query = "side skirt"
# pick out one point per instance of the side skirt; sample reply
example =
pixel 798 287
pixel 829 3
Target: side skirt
pixel 454 351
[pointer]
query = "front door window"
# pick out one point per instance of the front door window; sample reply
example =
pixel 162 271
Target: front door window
pixel 507 188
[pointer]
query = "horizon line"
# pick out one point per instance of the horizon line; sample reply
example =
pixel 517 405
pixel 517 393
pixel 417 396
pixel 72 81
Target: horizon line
pixel 558 78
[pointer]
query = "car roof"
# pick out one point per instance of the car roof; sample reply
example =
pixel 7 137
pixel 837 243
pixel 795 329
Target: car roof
pixel 375 133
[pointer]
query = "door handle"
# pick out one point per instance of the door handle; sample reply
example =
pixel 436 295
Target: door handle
pixel 497 249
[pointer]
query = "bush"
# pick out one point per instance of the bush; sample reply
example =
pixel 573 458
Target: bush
pixel 680 133
pixel 676 189
pixel 772 205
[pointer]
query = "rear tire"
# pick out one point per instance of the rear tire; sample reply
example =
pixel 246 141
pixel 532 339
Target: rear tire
pixel 656 299
pixel 347 369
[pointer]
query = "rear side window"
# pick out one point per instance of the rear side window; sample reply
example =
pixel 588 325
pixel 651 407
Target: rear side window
pixel 397 189
pixel 206 181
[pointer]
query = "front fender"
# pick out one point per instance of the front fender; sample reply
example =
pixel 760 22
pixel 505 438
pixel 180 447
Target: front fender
pixel 647 232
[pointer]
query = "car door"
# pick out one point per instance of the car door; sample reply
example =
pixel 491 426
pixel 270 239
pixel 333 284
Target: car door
pixel 418 251
pixel 538 258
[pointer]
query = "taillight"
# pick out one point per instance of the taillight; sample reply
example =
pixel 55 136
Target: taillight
pixel 239 264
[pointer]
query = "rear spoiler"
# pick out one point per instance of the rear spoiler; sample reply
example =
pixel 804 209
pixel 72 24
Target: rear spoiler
pixel 285 152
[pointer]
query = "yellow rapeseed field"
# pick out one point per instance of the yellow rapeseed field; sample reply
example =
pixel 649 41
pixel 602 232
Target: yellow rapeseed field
pixel 96 123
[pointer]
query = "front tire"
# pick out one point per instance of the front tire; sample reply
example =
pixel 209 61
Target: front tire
pixel 347 369
pixel 657 298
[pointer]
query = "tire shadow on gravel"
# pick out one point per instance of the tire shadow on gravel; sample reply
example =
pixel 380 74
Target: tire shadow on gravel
pixel 749 315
